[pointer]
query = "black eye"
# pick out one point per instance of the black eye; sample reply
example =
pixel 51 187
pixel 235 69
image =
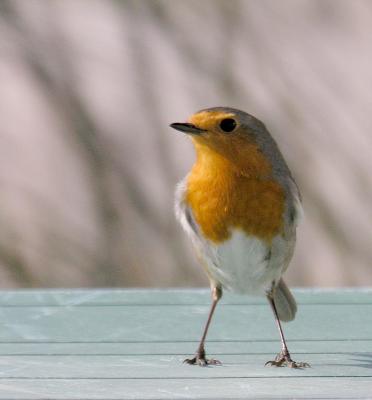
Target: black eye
pixel 228 124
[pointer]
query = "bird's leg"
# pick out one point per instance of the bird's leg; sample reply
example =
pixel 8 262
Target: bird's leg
pixel 200 358
pixel 283 358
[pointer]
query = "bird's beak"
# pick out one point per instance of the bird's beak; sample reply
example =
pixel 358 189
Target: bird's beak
pixel 187 128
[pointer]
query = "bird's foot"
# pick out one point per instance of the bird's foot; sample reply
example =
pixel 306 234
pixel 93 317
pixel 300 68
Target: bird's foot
pixel 283 359
pixel 201 360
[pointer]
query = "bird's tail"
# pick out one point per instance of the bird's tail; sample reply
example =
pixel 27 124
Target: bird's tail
pixel 284 302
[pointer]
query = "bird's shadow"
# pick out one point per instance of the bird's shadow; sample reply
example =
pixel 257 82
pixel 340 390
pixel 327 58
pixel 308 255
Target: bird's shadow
pixel 362 360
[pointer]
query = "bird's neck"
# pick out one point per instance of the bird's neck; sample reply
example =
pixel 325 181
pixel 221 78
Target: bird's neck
pixel 234 161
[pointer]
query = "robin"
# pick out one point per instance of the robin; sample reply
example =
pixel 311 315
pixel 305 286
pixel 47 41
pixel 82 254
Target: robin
pixel 240 206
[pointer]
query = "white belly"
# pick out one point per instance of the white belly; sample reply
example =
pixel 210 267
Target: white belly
pixel 247 265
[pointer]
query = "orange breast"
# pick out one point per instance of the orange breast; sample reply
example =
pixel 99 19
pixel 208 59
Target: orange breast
pixel 222 198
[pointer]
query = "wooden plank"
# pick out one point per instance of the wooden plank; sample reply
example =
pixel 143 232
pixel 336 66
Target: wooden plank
pixel 97 297
pixel 171 367
pixel 155 389
pixel 217 348
pixel 181 323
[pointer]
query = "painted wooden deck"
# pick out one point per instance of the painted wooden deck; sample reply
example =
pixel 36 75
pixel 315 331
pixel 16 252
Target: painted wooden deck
pixel 130 344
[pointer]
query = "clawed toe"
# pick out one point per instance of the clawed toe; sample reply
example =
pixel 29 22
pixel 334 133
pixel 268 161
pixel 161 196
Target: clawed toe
pixel 274 363
pixel 299 365
pixel 201 361
pixel 284 360
pixel 212 361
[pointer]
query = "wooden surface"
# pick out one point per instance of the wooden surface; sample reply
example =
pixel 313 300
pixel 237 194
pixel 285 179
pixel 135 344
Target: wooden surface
pixel 129 344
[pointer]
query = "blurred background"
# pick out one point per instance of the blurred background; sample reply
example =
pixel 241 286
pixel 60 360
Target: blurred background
pixel 89 164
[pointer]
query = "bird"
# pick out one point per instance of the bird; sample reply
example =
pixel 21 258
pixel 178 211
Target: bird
pixel 240 206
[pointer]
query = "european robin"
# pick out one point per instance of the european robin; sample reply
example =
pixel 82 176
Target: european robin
pixel 240 206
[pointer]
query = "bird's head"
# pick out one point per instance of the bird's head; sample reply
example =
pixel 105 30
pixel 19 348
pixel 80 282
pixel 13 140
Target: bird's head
pixel 233 134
